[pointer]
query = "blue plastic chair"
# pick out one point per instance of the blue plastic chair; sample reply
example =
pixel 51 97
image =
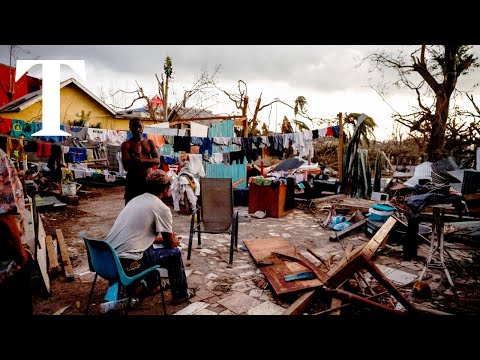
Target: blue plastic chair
pixel 104 262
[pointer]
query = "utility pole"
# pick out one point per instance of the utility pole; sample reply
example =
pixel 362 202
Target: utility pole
pixel 340 147
pixel 276 113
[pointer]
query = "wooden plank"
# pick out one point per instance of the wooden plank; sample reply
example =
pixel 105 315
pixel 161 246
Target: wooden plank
pixel 345 268
pixel 349 248
pixel 336 303
pixel 329 198
pixel 380 238
pixel 386 283
pixel 41 253
pixel 261 251
pixel 67 266
pixel 353 203
pixel 299 306
pixel 238 182
pixel 367 301
pixel 354 227
pixel 472 196
pixel 305 262
pixel 313 252
pixel 53 265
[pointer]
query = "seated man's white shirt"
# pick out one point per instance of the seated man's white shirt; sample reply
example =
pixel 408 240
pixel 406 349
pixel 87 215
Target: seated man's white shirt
pixel 138 224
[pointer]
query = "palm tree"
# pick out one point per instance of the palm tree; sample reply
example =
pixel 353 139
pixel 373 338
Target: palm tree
pixel 300 104
pixel 366 127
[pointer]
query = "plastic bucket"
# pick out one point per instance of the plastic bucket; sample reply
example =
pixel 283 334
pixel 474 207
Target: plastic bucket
pixel 70 189
pixel 400 234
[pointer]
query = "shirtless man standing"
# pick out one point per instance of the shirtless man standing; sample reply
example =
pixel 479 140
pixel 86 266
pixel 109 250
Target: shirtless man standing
pixel 138 157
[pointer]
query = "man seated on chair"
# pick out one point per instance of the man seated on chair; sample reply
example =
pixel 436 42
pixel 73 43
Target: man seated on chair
pixel 146 220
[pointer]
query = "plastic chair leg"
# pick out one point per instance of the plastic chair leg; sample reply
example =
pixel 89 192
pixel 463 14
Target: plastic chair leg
pixel 91 293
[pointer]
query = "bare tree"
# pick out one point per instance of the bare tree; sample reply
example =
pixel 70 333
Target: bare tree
pixel 241 101
pixel 439 67
pixel 200 91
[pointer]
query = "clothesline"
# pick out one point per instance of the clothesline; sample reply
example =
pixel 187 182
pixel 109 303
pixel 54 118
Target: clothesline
pixel 24 129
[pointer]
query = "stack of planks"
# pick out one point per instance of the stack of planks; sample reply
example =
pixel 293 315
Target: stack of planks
pixel 54 267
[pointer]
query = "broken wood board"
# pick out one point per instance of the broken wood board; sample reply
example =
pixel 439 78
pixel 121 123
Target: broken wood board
pixel 330 198
pixel 261 251
pixel 53 265
pixel 41 254
pixel 67 266
pixel 336 303
pixel 316 255
pixel 349 248
pixel 354 227
pixel 354 203
pixel 380 238
pixel 348 265
pixel 359 259
pixel 299 306
pixel 302 260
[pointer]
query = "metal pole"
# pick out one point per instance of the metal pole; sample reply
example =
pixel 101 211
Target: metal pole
pixel 276 114
pixel 340 147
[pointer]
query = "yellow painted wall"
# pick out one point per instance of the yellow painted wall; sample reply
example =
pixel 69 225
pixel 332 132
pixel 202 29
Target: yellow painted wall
pixel 72 101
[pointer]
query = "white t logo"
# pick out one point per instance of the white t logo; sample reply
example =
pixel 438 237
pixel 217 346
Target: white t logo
pixel 50 91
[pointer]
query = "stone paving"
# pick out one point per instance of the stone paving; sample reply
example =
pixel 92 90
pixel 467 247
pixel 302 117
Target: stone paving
pixel 243 289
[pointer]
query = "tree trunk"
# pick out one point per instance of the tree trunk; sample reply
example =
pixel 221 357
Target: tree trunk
pixel 165 101
pixel 253 124
pixel 439 126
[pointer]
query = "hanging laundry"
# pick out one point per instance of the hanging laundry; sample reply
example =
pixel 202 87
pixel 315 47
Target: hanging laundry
pixel 336 130
pixel 96 135
pixel 158 139
pixel 17 128
pixel 181 143
pixel 79 132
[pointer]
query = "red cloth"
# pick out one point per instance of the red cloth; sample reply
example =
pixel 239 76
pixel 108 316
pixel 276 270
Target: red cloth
pixel 44 149
pixel 5 125
pixel 156 101
pixel 329 131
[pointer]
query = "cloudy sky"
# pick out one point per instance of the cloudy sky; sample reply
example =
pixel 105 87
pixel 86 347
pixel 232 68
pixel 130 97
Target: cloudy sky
pixel 328 76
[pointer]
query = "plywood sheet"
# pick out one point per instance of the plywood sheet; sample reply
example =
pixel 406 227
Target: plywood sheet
pixel 261 251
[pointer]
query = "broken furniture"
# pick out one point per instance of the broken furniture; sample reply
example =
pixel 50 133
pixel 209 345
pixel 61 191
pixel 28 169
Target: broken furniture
pixel 268 198
pixel 436 243
pixel 275 267
pixel 278 259
pixel 104 262
pixel 215 214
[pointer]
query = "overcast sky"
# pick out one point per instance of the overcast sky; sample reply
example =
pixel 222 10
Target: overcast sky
pixel 328 76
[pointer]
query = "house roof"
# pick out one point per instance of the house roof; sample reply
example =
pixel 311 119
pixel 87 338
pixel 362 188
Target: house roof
pixel 33 97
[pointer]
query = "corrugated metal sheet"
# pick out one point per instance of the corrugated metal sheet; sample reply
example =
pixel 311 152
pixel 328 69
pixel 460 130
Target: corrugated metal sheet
pixel 424 169
pixel 234 172
pixel 445 165
pixel 289 164
pixel 223 129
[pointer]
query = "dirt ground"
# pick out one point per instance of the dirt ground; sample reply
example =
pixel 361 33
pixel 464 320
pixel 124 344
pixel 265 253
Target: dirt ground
pixel 99 207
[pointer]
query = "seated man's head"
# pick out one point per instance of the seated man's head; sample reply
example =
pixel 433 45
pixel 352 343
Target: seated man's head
pixel 158 182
